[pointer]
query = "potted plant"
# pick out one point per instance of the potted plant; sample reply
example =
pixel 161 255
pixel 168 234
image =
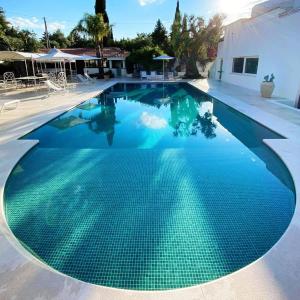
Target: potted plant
pixel 267 86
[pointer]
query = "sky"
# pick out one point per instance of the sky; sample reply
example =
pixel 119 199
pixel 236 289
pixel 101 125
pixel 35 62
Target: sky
pixel 128 17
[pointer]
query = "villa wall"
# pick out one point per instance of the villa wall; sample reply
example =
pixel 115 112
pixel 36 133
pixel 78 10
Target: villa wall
pixel 275 40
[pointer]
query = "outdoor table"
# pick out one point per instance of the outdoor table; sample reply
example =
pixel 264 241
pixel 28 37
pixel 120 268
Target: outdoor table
pixel 31 78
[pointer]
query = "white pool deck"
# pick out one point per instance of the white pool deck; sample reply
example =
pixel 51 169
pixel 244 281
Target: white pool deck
pixel 274 276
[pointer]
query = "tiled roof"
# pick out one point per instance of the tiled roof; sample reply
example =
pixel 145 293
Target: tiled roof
pixel 108 52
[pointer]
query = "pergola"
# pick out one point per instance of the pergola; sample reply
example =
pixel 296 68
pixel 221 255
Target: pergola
pixel 57 56
pixel 20 56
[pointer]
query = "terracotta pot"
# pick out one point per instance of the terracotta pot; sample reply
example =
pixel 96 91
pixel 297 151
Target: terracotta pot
pixel 267 89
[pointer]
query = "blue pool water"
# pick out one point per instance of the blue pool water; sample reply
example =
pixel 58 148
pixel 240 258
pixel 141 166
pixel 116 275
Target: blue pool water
pixel 149 187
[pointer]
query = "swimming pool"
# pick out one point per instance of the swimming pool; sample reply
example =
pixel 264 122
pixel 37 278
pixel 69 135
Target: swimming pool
pixel 149 187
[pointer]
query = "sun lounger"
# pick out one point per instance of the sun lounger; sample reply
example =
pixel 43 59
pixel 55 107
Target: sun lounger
pixel 170 75
pixel 2 84
pixel 88 77
pixel 153 75
pixel 144 75
pixel 10 103
pixel 82 79
pixel 53 87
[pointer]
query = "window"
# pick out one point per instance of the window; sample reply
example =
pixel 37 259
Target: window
pixel 245 65
pixel 238 65
pixel 251 65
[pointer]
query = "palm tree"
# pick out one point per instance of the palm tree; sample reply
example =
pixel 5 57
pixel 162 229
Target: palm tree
pixel 95 27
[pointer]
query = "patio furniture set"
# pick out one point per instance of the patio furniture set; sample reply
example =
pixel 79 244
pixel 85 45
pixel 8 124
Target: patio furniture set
pixel 54 82
pixel 153 75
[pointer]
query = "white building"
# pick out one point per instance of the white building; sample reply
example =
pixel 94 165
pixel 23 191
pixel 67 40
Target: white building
pixel 268 42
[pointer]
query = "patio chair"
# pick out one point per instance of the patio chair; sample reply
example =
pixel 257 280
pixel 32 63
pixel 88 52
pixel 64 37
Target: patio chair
pixel 82 79
pixel 144 75
pixel 10 80
pixel 2 84
pixel 52 76
pixel 53 87
pixel 14 103
pixel 153 75
pixel 62 80
pixel 88 77
pixel 160 77
pixel 170 75
pixel 180 75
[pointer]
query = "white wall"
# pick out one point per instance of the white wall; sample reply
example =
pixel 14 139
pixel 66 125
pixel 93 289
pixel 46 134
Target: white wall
pixel 276 41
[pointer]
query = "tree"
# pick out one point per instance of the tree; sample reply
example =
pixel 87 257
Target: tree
pixel 57 39
pixel 176 33
pixel 100 8
pixel 13 39
pixel 200 40
pixel 95 27
pixel 160 36
pixel 78 41
pixel 30 42
pixel 4 26
pixel 140 41
pixel 142 58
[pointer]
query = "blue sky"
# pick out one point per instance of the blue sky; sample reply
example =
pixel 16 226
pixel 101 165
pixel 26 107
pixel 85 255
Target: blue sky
pixel 128 16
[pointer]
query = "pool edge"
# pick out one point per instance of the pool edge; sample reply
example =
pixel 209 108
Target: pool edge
pixel 224 286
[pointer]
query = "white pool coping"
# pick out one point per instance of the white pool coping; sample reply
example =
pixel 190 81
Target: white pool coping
pixel 276 275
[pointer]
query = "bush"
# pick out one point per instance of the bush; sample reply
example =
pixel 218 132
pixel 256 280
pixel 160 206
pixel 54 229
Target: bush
pixel 143 59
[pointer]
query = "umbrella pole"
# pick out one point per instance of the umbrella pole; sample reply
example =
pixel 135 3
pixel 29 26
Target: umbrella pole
pixel 65 71
pixel 70 65
pixel 33 71
pixel 26 68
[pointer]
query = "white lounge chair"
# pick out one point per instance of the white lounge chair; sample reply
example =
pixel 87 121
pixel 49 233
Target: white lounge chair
pixel 180 75
pixel 82 79
pixel 170 75
pixel 153 75
pixel 53 87
pixel 160 77
pixel 14 103
pixel 144 75
pixel 88 77
pixel 2 84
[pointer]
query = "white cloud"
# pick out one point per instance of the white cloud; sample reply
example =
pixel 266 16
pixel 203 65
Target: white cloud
pixel 153 121
pixel 35 23
pixel 147 2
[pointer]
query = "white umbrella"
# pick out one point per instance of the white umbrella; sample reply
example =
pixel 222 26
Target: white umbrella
pixel 19 56
pixel 163 58
pixel 56 55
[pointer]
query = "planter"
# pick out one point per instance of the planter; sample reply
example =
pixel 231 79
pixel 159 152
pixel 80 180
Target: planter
pixel 267 89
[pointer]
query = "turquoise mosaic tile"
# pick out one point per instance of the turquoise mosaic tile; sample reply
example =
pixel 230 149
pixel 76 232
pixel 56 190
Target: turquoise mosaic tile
pixel 175 204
